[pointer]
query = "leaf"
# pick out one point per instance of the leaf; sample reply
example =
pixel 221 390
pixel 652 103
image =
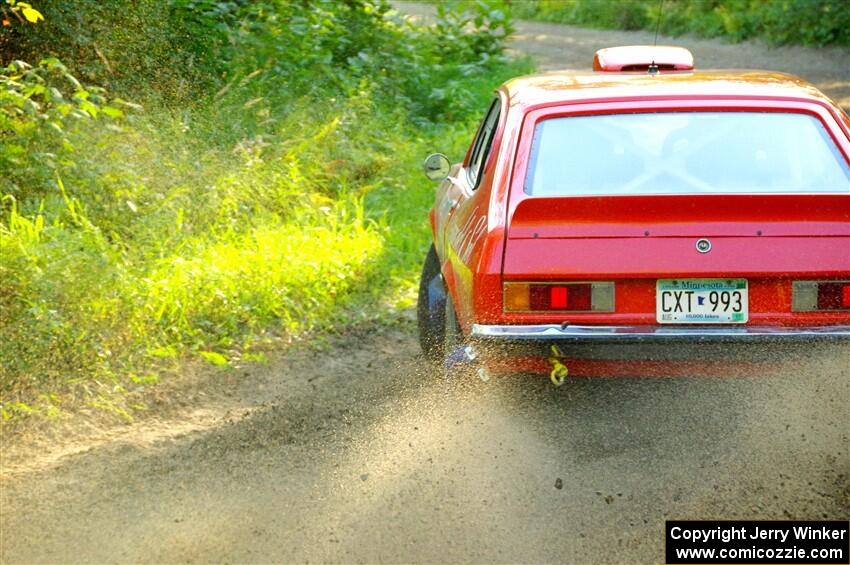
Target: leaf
pixel 145 379
pixel 215 358
pixel 31 107
pixel 166 351
pixel 130 105
pixel 52 63
pixel 88 107
pixel 73 80
pixel 257 357
pixel 112 112
pixel 34 90
pixel 32 15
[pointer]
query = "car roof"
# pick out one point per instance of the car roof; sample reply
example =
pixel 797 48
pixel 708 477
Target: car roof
pixel 568 86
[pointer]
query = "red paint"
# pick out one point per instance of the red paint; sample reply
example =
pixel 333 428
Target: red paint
pixel 497 232
pixel 701 215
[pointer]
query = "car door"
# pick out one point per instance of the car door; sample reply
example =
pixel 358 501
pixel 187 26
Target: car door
pixel 464 177
pixel 460 218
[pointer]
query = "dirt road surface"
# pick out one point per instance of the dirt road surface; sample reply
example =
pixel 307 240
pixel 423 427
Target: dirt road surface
pixel 358 452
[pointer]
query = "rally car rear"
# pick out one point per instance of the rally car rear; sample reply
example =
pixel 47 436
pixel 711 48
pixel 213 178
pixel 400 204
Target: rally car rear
pixel 651 214
pixel 669 224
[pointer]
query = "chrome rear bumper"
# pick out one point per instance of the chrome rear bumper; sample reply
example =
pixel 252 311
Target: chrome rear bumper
pixel 555 333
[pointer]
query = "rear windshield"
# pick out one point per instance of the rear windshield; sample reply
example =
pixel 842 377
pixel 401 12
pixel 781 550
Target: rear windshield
pixel 684 152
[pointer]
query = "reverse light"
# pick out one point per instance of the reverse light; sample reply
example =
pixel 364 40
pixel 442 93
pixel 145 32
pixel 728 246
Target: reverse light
pixel 815 296
pixel 559 297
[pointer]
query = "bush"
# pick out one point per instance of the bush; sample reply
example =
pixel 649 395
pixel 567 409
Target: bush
pixel 39 107
pixel 269 184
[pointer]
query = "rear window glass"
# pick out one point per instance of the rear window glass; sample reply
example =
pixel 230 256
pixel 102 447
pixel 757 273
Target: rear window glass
pixel 684 152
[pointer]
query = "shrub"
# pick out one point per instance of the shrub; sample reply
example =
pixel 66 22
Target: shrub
pixel 267 185
pixel 38 108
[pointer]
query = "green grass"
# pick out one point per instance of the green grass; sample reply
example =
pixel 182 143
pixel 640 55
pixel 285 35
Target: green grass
pixel 209 232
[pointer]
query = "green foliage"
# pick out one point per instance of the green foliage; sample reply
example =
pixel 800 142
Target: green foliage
pixel 286 197
pixel 807 22
pixel 618 14
pixel 38 108
pixel 22 11
pixel 214 358
pixel 474 33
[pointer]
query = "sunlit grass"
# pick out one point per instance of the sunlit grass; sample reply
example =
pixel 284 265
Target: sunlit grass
pixel 290 276
pixel 167 239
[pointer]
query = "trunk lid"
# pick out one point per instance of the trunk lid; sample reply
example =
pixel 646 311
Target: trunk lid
pixel 654 236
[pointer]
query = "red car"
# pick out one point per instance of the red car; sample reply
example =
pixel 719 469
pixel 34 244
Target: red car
pixel 602 216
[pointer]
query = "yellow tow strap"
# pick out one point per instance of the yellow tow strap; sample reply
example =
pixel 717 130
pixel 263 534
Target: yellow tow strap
pixel 559 370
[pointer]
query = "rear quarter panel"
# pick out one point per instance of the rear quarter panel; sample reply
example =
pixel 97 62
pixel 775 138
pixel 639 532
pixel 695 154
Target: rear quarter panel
pixel 472 236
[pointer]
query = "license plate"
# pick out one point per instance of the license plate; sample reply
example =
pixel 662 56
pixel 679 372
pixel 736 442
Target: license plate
pixel 701 301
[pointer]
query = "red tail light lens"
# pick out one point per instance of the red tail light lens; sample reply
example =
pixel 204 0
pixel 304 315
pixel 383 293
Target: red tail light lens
pixel 814 296
pixel 559 297
pixel 833 296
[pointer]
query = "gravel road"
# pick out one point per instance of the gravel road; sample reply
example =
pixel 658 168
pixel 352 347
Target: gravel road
pixel 357 452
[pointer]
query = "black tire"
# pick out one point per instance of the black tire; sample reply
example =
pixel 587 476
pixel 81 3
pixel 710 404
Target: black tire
pixel 452 336
pixel 453 340
pixel 431 320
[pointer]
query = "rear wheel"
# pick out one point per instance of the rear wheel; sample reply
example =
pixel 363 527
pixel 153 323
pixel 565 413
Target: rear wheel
pixel 431 309
pixel 452 336
pixel 456 362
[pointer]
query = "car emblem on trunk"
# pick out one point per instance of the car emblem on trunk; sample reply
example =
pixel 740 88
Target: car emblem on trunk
pixel 703 245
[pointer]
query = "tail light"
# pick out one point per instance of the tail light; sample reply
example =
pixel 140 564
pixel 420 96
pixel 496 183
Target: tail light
pixel 814 296
pixel 559 297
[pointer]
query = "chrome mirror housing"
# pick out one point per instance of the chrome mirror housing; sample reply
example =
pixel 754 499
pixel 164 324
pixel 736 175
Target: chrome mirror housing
pixel 437 167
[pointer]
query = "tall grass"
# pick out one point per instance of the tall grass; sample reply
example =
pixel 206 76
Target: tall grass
pixel 257 213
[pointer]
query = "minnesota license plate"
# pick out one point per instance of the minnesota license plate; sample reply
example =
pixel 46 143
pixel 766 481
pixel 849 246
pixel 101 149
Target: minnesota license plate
pixel 701 301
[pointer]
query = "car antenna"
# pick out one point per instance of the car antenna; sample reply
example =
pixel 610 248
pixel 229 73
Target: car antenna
pixel 653 68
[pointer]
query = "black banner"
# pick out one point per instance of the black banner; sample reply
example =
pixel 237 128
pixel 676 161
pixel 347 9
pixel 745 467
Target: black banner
pixel 761 542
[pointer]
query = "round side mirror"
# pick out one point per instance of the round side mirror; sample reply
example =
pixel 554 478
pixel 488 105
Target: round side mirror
pixel 437 167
